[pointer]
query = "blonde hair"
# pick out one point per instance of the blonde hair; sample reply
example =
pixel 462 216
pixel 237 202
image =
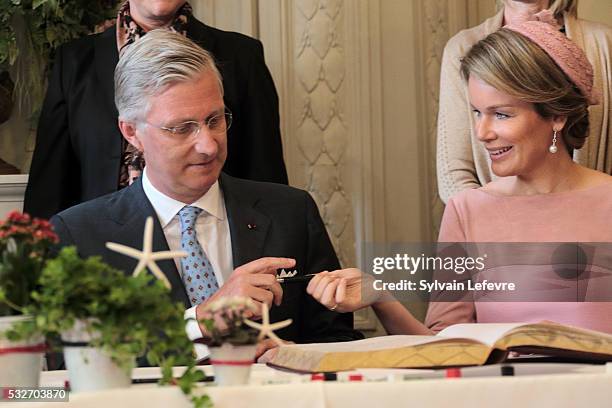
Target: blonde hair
pixel 558 7
pixel 511 63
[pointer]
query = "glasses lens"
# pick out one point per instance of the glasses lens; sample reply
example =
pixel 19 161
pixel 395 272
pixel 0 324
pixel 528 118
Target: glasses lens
pixel 219 124
pixel 228 119
pixel 186 129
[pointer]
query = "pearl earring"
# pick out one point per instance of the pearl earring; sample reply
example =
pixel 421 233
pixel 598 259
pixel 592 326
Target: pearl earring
pixel 553 147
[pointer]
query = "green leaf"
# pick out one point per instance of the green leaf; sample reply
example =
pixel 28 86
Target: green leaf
pixel 51 35
pixel 37 3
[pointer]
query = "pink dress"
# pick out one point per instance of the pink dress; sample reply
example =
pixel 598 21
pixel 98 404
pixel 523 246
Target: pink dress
pixel 576 216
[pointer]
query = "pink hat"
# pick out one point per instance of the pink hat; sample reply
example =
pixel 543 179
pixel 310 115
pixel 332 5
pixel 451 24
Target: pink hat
pixel 566 54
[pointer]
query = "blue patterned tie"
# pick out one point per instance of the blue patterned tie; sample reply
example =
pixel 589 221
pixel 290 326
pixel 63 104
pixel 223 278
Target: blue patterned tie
pixel 198 275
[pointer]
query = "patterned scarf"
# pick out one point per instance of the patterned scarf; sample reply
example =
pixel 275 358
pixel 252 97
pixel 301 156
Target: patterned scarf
pixel 128 32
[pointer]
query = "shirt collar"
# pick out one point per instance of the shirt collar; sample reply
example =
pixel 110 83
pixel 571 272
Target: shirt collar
pixel 166 207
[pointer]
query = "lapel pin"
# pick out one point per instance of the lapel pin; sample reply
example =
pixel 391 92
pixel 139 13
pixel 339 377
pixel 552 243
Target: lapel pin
pixel 252 226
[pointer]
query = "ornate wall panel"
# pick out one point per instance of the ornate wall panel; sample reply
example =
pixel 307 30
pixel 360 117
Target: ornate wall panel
pixel 435 35
pixel 319 117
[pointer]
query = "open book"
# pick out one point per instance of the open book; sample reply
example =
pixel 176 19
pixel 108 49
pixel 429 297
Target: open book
pixel 457 345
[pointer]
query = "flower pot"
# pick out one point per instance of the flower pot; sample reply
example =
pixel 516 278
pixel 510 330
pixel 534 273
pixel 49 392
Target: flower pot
pixel 89 368
pixel 20 361
pixel 232 364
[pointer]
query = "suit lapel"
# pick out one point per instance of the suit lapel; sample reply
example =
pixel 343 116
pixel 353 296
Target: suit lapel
pixel 248 226
pixel 130 213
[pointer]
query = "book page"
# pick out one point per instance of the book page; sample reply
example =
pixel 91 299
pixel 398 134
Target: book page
pixel 487 333
pixel 545 336
pixel 381 352
pixel 371 344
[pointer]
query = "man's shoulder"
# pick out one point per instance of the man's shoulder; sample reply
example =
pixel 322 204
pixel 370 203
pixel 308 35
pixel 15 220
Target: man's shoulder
pixel 83 45
pixel 260 188
pixel 92 209
pixel 264 192
pixel 226 39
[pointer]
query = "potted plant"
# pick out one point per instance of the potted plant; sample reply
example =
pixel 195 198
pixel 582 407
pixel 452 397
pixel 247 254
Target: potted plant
pixel 105 320
pixel 24 248
pixel 231 342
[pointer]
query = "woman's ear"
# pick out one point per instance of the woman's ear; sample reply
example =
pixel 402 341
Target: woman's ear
pixel 559 122
pixel 128 130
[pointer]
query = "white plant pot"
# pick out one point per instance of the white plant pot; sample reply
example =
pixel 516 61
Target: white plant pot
pixel 232 364
pixel 89 368
pixel 20 362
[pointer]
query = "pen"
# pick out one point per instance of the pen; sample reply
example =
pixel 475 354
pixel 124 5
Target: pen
pixel 207 378
pixel 296 279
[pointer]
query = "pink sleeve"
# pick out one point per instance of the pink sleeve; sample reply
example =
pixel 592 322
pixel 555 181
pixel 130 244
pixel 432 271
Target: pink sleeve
pixel 451 229
pixel 441 314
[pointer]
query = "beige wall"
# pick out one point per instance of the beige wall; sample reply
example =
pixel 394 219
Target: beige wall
pixel 596 10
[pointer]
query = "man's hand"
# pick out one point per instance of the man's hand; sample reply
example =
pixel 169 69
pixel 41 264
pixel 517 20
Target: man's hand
pixel 255 280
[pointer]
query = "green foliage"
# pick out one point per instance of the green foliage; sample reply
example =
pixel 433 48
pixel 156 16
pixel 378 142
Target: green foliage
pixel 24 247
pixel 50 22
pixel 33 29
pixel 128 316
pixel 18 274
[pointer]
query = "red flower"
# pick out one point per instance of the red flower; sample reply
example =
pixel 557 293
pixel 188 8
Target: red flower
pixel 25 230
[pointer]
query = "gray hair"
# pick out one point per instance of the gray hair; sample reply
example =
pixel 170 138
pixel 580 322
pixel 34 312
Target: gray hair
pixel 155 61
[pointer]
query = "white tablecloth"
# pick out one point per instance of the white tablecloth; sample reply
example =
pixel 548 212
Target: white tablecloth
pixel 591 387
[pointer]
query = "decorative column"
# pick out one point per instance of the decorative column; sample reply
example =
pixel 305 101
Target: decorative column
pixel 319 119
pixel 435 18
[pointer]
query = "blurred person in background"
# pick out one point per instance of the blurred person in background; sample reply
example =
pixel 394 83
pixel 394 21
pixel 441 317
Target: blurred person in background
pixel 80 153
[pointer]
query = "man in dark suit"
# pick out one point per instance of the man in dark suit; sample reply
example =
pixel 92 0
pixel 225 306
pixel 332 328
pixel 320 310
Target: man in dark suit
pixel 80 153
pixel 237 232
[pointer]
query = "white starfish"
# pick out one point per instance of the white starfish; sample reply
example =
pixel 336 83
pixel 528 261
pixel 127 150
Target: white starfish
pixel 265 328
pixel 147 258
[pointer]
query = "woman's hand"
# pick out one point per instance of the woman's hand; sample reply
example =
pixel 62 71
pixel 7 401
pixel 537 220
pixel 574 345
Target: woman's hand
pixel 267 349
pixel 344 290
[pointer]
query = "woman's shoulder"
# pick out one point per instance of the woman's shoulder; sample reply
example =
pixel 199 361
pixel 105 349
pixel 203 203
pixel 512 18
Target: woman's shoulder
pixel 470 199
pixel 595 180
pixel 499 187
pixel 466 38
pixel 591 183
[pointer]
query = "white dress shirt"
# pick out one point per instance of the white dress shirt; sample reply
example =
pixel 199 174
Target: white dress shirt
pixel 212 231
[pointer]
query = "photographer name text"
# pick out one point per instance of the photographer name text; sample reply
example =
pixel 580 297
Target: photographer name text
pixel 435 286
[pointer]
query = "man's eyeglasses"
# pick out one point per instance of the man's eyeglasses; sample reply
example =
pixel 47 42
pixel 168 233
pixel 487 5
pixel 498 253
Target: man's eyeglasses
pixel 216 125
